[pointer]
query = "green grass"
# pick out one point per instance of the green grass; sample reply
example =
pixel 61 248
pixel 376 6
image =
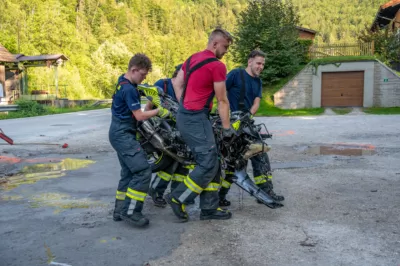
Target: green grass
pixel 338 59
pixel 342 111
pixel 267 109
pixel 36 109
pixel 382 110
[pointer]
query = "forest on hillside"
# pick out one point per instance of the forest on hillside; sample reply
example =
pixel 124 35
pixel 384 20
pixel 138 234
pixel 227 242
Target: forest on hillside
pixel 337 21
pixel 99 36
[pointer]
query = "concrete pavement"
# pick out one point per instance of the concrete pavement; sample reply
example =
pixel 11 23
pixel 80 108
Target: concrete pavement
pixel 341 203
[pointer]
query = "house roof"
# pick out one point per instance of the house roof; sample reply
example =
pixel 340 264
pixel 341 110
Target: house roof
pixel 306 30
pixel 55 57
pixel 6 56
pixel 385 14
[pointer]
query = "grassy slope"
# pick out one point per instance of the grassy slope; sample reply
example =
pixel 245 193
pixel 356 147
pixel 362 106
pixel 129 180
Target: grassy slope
pixel 267 107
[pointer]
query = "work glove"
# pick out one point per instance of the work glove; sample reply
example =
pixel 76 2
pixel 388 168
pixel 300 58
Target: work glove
pixel 228 133
pixel 163 113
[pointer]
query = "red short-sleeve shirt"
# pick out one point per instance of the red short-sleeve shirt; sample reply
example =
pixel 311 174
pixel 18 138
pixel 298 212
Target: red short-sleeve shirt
pixel 201 82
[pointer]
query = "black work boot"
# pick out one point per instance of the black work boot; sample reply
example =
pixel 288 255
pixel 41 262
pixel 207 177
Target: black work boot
pixel 275 196
pixel 218 214
pixel 117 210
pixel 223 202
pixel 178 208
pixel 136 219
pixel 158 200
pixel 268 187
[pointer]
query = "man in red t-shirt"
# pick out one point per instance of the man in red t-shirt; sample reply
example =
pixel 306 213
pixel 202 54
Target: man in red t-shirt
pixel 202 76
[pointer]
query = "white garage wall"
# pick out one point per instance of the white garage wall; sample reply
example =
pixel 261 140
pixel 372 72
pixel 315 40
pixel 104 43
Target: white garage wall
pixel 297 93
pixel 381 86
pixel 387 87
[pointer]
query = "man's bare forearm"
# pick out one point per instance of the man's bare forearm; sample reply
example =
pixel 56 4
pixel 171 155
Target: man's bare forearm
pixel 144 115
pixel 223 110
pixel 254 109
pixel 256 105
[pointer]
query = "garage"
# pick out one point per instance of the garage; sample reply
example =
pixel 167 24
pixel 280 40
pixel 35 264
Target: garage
pixel 342 89
pixel 368 83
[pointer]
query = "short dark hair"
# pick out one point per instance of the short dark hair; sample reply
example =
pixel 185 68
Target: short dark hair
pixel 221 32
pixel 255 53
pixel 140 61
pixel 177 68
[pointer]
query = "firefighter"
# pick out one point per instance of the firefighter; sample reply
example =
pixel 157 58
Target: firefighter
pixel 202 75
pixel 135 170
pixel 244 93
pixel 172 174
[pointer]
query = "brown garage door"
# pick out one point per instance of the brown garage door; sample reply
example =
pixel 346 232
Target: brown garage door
pixel 342 89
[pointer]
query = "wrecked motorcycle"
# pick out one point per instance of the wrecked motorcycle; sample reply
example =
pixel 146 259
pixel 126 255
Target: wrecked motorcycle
pixel 164 145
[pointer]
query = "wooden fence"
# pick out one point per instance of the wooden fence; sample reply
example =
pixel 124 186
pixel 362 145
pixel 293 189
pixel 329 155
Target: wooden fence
pixel 345 49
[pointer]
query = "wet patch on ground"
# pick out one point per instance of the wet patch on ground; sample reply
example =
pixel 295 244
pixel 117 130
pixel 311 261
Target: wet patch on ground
pixel 344 149
pixel 31 174
pixel 11 197
pixel 61 202
pixel 14 160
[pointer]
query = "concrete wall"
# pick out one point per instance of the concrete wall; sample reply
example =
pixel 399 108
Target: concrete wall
pixel 297 92
pixel 381 86
pixel 386 87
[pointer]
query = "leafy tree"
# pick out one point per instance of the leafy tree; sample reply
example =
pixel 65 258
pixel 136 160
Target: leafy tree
pixel 269 25
pixel 386 43
pixel 99 36
pixel 338 21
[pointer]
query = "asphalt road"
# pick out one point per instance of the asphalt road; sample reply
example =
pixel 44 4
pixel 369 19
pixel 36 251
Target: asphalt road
pixel 340 176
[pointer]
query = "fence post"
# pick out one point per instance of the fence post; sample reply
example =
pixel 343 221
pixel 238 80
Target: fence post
pixel 373 47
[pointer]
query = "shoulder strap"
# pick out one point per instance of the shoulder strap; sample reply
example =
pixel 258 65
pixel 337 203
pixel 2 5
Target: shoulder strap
pixel 118 86
pixel 165 85
pixel 242 91
pixel 189 71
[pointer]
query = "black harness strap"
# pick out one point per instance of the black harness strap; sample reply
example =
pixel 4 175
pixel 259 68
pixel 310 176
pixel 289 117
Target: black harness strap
pixel 119 85
pixel 242 106
pixel 189 71
pixel 165 85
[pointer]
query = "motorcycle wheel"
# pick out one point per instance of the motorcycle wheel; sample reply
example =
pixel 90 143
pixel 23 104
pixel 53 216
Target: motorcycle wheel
pixel 156 158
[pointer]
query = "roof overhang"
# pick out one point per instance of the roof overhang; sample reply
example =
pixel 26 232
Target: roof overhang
pixel 385 14
pixel 6 56
pixel 306 30
pixel 13 60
